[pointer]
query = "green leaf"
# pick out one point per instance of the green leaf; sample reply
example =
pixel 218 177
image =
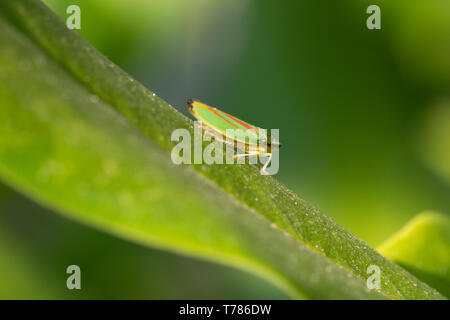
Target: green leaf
pixel 422 247
pixel 81 136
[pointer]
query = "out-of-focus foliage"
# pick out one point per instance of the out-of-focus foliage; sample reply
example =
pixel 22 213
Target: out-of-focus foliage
pixel 434 133
pixel 420 38
pixel 423 247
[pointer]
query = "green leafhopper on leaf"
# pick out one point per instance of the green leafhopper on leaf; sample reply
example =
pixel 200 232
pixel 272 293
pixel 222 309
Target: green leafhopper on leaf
pixel 252 140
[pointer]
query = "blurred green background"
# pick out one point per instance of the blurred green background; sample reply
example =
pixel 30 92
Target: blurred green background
pixel 364 118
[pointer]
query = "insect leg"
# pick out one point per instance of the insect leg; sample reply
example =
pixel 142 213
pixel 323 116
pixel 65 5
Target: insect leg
pixel 263 170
